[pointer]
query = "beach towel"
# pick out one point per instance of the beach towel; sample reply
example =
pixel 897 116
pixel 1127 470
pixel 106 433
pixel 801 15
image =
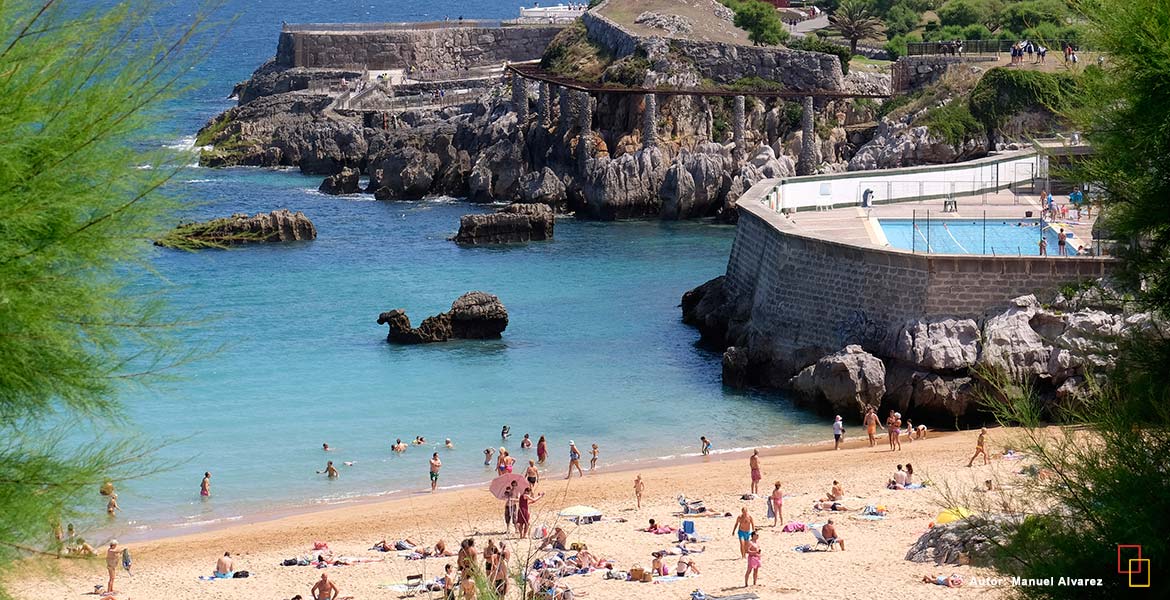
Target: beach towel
pixel 771 510
pixel 672 578
pixel 915 486
pixel 803 548
pixel 791 526
pixel 870 517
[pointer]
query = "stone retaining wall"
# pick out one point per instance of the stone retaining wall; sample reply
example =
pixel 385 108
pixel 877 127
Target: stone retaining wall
pixel 910 73
pixel 430 49
pixel 798 70
pixel 809 296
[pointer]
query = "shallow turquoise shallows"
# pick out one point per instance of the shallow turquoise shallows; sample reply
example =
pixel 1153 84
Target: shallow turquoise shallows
pixel 594 352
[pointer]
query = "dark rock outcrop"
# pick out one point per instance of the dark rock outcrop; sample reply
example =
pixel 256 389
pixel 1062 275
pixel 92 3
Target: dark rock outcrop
pixel 513 224
pixel 845 382
pixel 345 182
pixel 276 226
pixel 473 316
pixel 973 540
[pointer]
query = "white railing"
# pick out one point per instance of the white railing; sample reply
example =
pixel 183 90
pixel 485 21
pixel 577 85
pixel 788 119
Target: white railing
pixel 974 178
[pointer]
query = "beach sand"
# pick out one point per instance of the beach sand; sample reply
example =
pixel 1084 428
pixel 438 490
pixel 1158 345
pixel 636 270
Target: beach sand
pixel 872 567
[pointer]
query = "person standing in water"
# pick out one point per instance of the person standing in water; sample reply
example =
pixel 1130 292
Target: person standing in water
pixel 487 456
pixel 205 485
pixel 436 464
pixel 754 463
pixel 838 432
pixel 639 487
pixel 704 445
pixel 505 433
pixel 330 470
pixel 526 443
pixel 112 507
pixel 541 450
pixel 593 460
pixel 574 460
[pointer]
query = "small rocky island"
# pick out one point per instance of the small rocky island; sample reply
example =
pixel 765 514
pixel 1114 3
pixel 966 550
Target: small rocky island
pixel 473 316
pixel 276 226
pixel 512 224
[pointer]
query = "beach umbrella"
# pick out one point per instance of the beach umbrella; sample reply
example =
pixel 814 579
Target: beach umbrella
pixel 501 484
pixel 579 512
pixel 951 515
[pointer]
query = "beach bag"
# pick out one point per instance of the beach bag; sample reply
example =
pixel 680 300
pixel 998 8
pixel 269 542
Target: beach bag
pixel 240 575
pixel 576 546
pixel 636 573
pixel 647 577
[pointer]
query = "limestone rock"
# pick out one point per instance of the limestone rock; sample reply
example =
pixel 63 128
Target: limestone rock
pixel 276 226
pixel 671 24
pixel 941 345
pixel 474 315
pixel 512 224
pixel 542 187
pixel 903 144
pixel 1011 344
pixel 976 538
pixel 941 395
pixel 844 382
pixel 345 182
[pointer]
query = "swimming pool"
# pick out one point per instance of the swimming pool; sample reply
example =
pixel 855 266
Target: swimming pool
pixel 962 236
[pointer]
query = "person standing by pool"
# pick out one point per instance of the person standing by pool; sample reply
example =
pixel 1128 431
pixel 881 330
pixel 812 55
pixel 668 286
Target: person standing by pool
pixel 753 560
pixel 436 464
pixel 704 445
pixel 754 463
pixel 541 450
pixel 574 460
pixel 594 452
pixel 838 432
pixel 205 485
pixel 744 526
pixel 1062 242
pixel 1043 245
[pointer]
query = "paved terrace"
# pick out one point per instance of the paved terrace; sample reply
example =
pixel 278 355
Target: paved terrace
pixel 835 214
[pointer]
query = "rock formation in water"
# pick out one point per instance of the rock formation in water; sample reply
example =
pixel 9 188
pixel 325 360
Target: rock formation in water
pixel 473 316
pixel 512 224
pixel 276 226
pixel 931 367
pixel 345 182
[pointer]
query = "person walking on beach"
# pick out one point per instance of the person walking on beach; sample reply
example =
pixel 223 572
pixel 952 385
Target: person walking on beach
pixel 594 452
pixel 113 554
pixel 574 460
pixel 532 474
pixel 704 445
pixel 639 487
pixel 980 448
pixel 436 464
pixel 777 500
pixel 871 425
pixel 744 525
pixel 838 432
pixel 753 560
pixel 324 589
pixel 541 450
pixel 205 485
pixel 754 463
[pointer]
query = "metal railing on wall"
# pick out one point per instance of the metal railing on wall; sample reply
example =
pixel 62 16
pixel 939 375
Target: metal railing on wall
pixel 978 47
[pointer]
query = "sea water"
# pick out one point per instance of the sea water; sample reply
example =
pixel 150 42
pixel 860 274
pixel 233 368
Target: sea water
pixel 594 352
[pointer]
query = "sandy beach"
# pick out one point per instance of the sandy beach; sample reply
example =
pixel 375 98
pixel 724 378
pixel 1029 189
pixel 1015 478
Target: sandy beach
pixel 873 565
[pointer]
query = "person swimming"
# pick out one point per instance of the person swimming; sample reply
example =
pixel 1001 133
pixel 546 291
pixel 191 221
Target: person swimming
pixel 505 433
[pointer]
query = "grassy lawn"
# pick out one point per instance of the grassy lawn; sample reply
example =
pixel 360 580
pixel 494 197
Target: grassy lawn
pixel 861 63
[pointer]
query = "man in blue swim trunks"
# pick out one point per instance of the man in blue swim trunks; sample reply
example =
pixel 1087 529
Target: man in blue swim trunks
pixel 436 464
pixel 744 526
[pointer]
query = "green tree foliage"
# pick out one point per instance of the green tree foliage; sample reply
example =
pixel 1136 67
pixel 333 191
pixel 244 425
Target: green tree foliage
pixel 963 12
pixel 760 19
pixel 900 20
pixel 854 21
pixel 79 201
pixel 898 46
pixel 1003 92
pixel 1018 16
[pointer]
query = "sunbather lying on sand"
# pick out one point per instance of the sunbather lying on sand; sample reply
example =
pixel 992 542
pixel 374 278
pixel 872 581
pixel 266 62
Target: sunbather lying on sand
pixel 826 504
pixel 952 581
pixel 658 528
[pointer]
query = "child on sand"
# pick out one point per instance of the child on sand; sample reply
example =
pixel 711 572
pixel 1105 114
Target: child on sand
pixel 753 560
pixel 639 487
pixel 593 461
pixel 980 448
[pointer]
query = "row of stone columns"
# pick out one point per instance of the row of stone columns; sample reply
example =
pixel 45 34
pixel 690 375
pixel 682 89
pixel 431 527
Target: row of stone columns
pixel 580 104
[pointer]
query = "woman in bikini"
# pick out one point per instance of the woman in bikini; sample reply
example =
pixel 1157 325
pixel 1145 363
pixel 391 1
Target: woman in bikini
pixel 777 500
pixel 501 462
pixel 980 448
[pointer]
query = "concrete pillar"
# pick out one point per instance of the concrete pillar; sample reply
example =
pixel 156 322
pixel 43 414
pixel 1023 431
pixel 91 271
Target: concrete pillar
pixel 564 121
pixel 649 121
pixel 584 112
pixel 808 136
pixel 520 97
pixel 544 105
pixel 737 125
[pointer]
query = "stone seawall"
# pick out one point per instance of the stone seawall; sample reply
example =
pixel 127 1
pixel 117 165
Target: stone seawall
pixel 429 49
pixel 798 70
pixel 911 73
pixel 799 297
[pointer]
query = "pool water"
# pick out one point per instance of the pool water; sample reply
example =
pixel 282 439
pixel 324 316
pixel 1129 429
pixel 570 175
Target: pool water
pixel 962 236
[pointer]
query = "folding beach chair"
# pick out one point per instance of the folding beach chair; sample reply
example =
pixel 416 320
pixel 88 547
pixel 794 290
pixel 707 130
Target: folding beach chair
pixel 414 584
pixel 691 507
pixel 821 541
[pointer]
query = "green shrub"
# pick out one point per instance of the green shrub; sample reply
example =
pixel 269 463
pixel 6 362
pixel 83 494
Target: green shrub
pixel 1003 92
pixel 897 47
pixel 953 122
pixel 760 20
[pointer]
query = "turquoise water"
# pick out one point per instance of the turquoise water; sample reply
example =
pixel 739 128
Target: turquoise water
pixel 959 236
pixel 595 350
